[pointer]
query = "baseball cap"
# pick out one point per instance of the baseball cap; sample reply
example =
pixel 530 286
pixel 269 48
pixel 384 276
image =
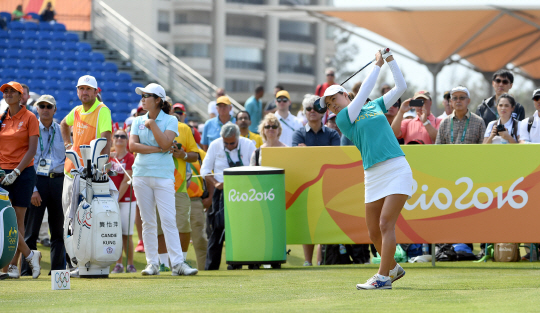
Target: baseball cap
pixel 320 106
pixel 460 89
pixel 152 88
pixel 87 80
pixel 139 108
pixel 446 95
pixel 422 94
pixel 536 93
pixel 283 93
pixel 409 114
pixel 45 98
pixel 129 121
pixel 14 85
pixel 224 100
pixel 331 116
pixel 180 106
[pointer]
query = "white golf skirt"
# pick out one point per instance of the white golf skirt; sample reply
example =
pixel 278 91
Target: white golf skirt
pixel 390 177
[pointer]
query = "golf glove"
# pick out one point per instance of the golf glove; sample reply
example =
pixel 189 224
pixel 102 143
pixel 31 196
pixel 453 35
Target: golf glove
pixel 10 178
pixel 385 54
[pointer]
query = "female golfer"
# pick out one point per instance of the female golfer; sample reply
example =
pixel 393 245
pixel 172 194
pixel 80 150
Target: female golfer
pixel 387 175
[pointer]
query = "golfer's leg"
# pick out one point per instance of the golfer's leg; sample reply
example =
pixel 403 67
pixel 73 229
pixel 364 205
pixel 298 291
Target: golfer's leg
pixel 164 191
pixel 373 214
pixel 393 204
pixel 147 206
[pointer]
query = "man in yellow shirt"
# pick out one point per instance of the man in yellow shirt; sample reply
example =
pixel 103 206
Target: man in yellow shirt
pixel 243 120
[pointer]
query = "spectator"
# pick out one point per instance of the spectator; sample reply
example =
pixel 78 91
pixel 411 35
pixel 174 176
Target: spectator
pixel 127 201
pixel 140 110
pixel 270 130
pixel 313 134
pixel 393 111
pixel 212 127
pixel 331 123
pixel 179 110
pixel 356 88
pixel 301 116
pixel 254 106
pixel 18 14
pixel 212 108
pixel 385 88
pixel 447 106
pixel 424 126
pixel 25 98
pixel 47 195
pixel 48 13
pixel 494 133
pixel 243 120
pixel 271 105
pixel 502 82
pixel 288 122
pixel 19 131
pixel 330 80
pixel 469 127
pixel 230 150
pixel 184 151
pixel 152 137
pixel 529 129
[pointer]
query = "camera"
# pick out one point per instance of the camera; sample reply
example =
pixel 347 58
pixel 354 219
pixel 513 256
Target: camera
pixel 500 128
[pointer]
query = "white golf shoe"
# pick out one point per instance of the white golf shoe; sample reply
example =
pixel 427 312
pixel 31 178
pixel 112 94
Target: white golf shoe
pixel 397 273
pixel 35 264
pixel 13 271
pixel 376 282
pixel 184 269
pixel 151 269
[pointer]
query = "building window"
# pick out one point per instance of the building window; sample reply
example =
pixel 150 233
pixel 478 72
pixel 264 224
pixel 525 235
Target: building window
pixel 298 2
pixel 290 62
pixel 192 17
pixel 194 50
pixel 248 1
pixel 243 57
pixel 296 31
pixel 239 85
pixel 164 24
pixel 236 25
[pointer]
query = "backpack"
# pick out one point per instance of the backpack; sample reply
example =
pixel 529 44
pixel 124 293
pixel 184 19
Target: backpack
pixel 463 252
pixel 507 252
pixel 530 123
pixel 445 252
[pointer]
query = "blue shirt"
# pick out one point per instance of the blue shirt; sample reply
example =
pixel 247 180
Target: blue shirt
pixel 254 107
pixel 324 137
pixel 57 152
pixel 370 133
pixel 212 130
pixel 159 164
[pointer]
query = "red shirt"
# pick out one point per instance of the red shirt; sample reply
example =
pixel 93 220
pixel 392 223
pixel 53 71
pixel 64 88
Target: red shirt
pixel 319 91
pixel 412 129
pixel 127 163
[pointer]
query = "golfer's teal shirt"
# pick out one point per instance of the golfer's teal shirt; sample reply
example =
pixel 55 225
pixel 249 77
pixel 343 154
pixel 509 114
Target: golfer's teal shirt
pixel 370 133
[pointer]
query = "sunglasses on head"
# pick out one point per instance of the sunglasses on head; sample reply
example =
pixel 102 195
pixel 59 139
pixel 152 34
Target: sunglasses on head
pixel 504 81
pixel 179 112
pixel 120 136
pixel 148 95
pixel 282 100
pixel 48 106
pixel 270 126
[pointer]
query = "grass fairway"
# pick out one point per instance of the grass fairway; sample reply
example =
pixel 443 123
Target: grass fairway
pixel 449 287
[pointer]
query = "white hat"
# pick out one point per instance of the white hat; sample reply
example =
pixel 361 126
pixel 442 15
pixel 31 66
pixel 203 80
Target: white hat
pixel 410 113
pixel 460 89
pixel 536 93
pixel 129 121
pixel 87 80
pixel 330 91
pixel 152 88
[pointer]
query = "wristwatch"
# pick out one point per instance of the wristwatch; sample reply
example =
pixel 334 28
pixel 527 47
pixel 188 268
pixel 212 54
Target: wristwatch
pixel 427 122
pixel 68 145
pixel 185 156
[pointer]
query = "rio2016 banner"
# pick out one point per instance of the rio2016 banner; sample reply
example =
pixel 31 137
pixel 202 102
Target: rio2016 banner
pixel 462 193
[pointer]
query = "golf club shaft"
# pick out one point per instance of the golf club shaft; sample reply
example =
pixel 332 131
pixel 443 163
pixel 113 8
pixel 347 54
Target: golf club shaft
pixel 357 72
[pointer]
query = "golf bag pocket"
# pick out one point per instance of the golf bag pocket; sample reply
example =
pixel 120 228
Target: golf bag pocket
pixel 9 236
pixel 82 230
pixel 108 232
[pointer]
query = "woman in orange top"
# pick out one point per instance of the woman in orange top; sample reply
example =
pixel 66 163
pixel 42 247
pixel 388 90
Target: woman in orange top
pixel 19 137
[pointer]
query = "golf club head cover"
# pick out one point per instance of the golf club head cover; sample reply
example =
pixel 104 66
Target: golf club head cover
pixel 385 52
pixel 318 107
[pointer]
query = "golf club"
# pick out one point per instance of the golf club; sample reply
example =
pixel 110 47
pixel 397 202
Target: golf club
pixel 96 146
pixel 74 158
pixel 383 51
pixel 85 154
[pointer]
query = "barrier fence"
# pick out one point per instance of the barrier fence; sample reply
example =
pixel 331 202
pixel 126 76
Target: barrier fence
pixel 462 193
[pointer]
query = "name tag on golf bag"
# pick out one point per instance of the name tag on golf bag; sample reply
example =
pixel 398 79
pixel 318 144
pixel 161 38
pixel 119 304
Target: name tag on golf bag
pixel 108 230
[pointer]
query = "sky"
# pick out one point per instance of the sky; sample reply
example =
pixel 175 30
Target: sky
pixel 418 75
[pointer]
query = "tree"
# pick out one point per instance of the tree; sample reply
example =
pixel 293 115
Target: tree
pixel 344 56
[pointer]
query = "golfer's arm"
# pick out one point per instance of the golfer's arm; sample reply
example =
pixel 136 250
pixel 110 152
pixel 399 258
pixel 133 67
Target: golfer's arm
pixel 367 86
pixel 136 147
pixel 393 95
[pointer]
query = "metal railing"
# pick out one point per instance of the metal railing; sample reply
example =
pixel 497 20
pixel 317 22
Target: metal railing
pixel 181 81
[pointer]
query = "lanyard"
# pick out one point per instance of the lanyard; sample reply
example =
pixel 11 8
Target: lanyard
pixel 50 142
pixel 231 163
pixel 452 130
pixel 281 120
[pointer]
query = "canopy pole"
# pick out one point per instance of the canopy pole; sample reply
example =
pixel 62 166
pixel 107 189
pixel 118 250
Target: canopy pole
pixel 487 77
pixel 434 69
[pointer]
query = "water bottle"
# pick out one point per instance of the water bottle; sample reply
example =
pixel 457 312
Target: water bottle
pixel 504 141
pixel 425 249
pixel 342 249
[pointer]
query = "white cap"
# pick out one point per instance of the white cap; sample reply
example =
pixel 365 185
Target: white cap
pixel 460 89
pixel 129 120
pixel 330 91
pixel 410 113
pixel 152 88
pixel 536 93
pixel 87 80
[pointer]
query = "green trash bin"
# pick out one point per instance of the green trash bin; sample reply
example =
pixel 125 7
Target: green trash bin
pixel 254 199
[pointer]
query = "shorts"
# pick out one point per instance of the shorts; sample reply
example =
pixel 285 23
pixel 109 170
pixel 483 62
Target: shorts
pixel 20 192
pixel 127 219
pixel 183 212
pixel 390 177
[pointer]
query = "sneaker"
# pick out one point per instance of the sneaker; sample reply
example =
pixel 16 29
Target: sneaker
pixel 74 273
pixel 131 269
pixel 151 269
pixel 184 269
pixel 376 282
pixel 140 246
pixel 306 263
pixel 397 273
pixel 118 269
pixel 3 275
pixel 163 268
pixel 46 242
pixel 13 271
pixel 35 264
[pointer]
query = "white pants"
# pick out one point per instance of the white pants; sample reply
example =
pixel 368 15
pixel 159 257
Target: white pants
pixel 127 219
pixel 149 192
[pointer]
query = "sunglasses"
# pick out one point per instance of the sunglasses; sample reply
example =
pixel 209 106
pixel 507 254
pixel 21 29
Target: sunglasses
pixel 536 98
pixel 148 95
pixel 179 112
pixel 309 109
pixel 282 100
pixel 504 81
pixel 120 136
pixel 270 126
pixel 329 74
pixel 459 98
pixel 397 105
pixel 48 106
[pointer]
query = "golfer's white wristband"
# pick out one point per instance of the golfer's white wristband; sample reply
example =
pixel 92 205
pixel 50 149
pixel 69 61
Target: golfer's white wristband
pixel 393 95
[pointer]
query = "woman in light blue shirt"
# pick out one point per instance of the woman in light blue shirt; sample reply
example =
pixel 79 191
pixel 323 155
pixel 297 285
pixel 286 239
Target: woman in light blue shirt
pixel 388 177
pixel 152 137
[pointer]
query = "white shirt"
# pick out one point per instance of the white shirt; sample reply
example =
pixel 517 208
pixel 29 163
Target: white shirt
pixel 534 135
pixel 443 116
pixel 212 108
pixel 498 139
pixel 288 126
pixel 216 158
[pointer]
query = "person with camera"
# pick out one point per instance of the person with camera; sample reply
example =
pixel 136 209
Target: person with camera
pixel 231 150
pixel 529 128
pixel 505 129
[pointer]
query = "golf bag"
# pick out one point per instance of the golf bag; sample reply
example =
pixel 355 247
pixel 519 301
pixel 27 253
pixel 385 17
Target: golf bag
pixel 9 235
